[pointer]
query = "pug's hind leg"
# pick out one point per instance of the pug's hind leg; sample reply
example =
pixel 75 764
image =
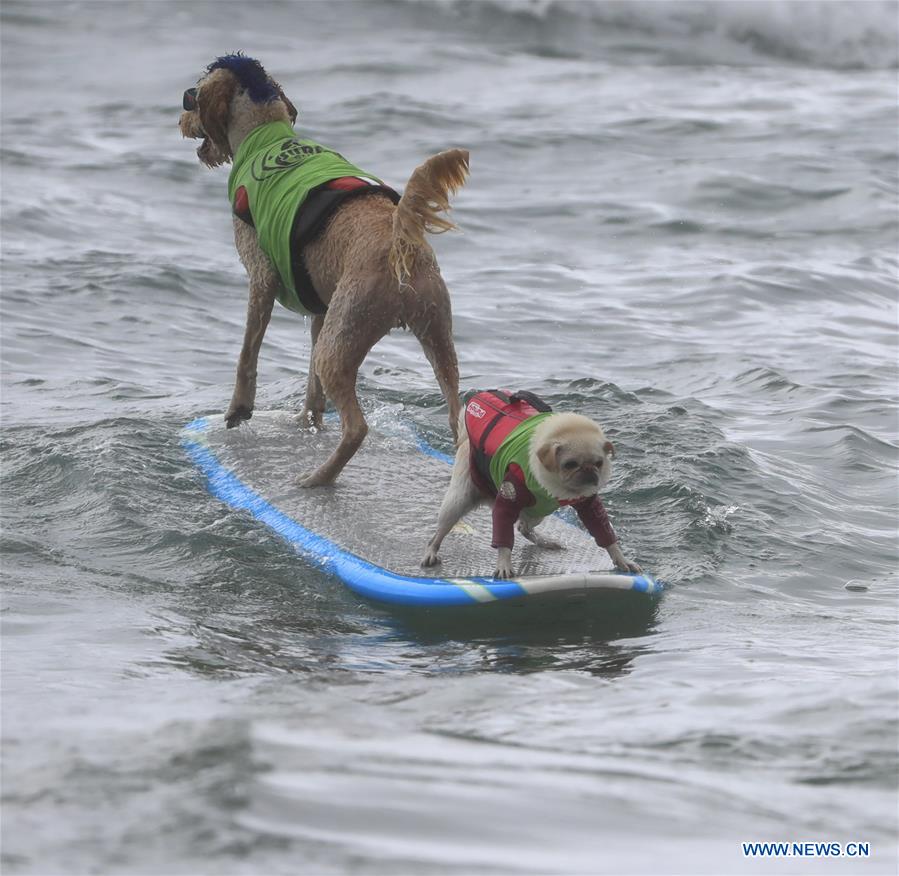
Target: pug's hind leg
pixel 526 528
pixel 461 497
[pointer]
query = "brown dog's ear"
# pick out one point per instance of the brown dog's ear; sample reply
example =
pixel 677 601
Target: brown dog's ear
pixel 291 109
pixel 548 454
pixel 213 104
pixel 609 448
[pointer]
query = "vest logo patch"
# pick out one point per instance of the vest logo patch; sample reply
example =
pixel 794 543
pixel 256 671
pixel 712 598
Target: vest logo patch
pixel 476 410
pixel 507 491
pixel 286 155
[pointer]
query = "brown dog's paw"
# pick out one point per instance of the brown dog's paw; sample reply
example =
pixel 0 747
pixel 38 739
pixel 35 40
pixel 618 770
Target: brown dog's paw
pixel 311 421
pixel 315 479
pixel 236 416
pixel 430 559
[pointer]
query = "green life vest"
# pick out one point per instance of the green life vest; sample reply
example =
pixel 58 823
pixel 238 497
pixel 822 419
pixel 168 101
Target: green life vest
pixel 278 170
pixel 516 448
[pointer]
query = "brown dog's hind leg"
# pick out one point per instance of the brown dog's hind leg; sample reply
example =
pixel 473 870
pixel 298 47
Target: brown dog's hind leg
pixel 431 321
pixel 314 408
pixel 354 323
pixel 437 344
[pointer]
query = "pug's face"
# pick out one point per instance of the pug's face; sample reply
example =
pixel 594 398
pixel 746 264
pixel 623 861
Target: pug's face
pixel 571 456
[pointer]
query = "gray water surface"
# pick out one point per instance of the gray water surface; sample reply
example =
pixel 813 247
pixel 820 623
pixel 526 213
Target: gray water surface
pixel 681 221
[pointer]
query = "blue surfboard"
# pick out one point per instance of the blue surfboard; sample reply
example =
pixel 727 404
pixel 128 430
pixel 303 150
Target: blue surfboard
pixel 370 529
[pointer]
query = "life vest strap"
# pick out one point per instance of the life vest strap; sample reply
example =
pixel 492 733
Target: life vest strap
pixel 310 221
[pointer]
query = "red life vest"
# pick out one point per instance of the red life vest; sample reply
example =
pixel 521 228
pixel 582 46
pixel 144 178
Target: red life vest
pixel 489 418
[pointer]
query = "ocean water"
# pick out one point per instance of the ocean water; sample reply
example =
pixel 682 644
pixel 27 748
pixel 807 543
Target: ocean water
pixel 682 221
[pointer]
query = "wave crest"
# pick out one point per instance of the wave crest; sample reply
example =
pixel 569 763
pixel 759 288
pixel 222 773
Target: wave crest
pixel 840 35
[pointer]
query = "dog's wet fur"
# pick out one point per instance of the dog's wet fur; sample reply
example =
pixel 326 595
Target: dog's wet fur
pixel 371 265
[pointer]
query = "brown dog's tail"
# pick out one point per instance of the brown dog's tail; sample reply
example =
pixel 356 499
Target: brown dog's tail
pixel 426 196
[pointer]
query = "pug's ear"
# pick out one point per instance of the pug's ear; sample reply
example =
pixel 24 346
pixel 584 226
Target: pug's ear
pixel 548 454
pixel 214 106
pixel 609 449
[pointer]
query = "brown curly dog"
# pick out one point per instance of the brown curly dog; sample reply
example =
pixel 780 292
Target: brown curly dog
pixel 340 246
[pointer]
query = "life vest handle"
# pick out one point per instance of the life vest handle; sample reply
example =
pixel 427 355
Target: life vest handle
pixel 534 401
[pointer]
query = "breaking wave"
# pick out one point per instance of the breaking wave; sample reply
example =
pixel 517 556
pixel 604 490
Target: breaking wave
pixel 840 35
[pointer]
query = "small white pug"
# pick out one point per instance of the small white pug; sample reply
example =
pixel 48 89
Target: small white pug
pixel 565 459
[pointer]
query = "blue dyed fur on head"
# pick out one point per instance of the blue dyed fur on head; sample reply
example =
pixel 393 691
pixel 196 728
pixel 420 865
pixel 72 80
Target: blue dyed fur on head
pixel 250 74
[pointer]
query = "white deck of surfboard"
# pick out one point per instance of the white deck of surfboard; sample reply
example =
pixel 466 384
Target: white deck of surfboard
pixel 383 508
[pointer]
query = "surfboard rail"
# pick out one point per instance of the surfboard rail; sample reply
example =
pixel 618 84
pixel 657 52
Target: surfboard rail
pixel 375 582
